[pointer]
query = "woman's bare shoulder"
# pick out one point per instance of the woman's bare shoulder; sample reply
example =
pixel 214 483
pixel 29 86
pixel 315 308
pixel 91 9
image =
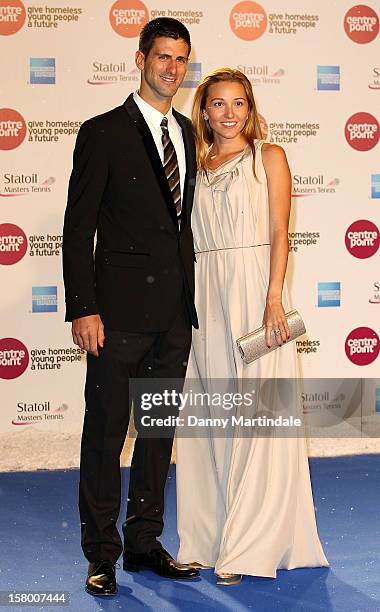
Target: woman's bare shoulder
pixel 273 155
pixel 272 151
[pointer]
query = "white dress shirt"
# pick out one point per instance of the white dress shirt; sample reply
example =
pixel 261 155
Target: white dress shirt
pixel 153 118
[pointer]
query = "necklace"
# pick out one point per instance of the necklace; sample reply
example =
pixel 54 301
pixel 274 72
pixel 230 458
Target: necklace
pixel 216 154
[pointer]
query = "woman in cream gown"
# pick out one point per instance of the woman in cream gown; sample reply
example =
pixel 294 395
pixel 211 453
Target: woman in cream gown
pixel 245 504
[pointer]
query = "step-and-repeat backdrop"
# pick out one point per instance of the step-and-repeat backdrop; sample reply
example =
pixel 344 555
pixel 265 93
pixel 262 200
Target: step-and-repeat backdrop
pixel 315 70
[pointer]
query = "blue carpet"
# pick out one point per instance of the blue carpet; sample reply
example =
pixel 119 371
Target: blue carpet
pixel 40 549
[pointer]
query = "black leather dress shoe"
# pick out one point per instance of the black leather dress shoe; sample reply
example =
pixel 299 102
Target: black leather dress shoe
pixel 101 578
pixel 160 562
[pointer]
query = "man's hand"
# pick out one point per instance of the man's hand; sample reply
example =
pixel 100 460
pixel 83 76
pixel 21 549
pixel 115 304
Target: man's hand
pixel 88 333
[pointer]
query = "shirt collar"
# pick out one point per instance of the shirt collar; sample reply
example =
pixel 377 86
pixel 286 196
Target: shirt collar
pixel 149 113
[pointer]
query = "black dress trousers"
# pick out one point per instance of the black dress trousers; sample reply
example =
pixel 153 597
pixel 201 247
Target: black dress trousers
pixel 126 355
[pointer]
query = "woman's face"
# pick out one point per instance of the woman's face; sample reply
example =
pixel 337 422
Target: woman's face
pixel 227 108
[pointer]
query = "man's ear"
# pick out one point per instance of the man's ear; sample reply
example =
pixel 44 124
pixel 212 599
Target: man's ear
pixel 139 60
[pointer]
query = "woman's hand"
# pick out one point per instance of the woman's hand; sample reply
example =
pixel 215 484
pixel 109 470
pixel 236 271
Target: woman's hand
pixel 274 319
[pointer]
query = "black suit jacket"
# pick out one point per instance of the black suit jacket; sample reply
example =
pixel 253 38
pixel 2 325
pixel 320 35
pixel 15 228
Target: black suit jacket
pixel 143 264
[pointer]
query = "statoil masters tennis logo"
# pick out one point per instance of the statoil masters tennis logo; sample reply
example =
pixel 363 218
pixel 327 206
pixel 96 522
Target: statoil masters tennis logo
pixel 32 413
pixel 13 244
pixel 14 358
pixel 12 16
pixel 362 239
pixel 248 20
pixel 12 129
pixel 362 346
pixel 361 24
pixel 128 17
pixel 362 131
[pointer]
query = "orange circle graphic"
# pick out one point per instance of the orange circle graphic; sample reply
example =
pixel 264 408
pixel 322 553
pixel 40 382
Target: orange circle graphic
pixel 128 17
pixel 12 129
pixel 12 16
pixel 361 24
pixel 248 20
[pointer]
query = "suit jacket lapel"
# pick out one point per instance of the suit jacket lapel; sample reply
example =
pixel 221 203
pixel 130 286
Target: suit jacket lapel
pixel 151 149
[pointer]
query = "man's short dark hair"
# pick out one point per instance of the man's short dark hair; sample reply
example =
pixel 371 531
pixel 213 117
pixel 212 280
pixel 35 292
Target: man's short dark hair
pixel 162 26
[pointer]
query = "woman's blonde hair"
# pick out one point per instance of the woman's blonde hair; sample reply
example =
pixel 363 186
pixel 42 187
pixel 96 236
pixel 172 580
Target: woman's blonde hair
pixel 203 133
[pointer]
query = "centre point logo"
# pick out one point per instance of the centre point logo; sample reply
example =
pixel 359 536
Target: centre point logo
pixel 12 129
pixel 13 244
pixel 362 346
pixel 361 24
pixel 12 16
pixel 248 20
pixel 362 131
pixel 14 358
pixel 362 239
pixel 128 17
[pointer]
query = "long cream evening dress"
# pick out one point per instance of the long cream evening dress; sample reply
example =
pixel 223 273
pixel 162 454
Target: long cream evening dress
pixel 245 504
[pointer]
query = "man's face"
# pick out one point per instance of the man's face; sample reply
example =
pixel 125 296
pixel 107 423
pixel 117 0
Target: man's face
pixel 164 68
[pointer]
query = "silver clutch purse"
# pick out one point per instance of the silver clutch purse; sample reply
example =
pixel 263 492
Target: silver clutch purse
pixel 252 346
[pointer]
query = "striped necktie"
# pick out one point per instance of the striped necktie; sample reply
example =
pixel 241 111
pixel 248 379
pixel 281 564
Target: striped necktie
pixel 171 167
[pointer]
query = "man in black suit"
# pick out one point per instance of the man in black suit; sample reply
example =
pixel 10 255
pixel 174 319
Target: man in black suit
pixel 131 302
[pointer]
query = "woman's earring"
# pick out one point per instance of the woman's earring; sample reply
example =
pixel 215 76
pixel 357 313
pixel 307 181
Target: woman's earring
pixel 205 115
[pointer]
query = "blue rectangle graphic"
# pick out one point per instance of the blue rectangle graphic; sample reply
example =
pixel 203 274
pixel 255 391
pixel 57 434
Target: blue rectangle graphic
pixel 329 294
pixel 377 400
pixel 42 71
pixel 328 77
pixel 44 299
pixel 375 186
pixel 193 75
